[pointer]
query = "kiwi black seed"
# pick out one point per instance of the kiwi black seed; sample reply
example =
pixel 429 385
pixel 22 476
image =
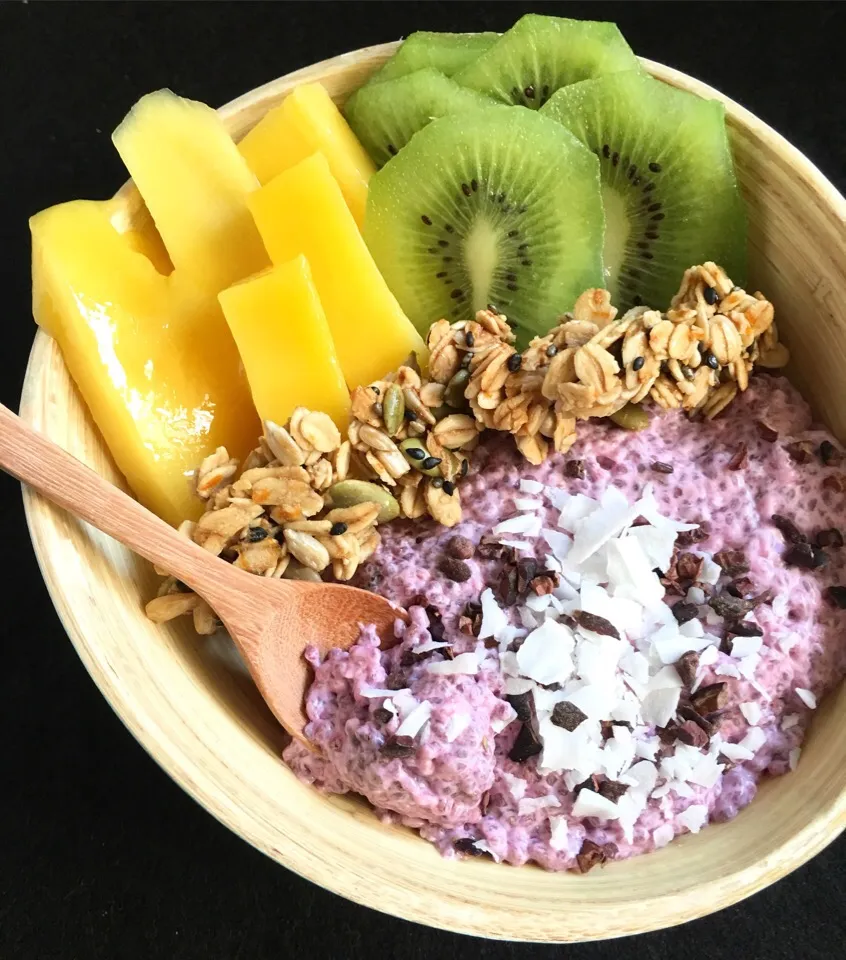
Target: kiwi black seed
pixel 683 207
pixel 385 116
pixel 446 52
pixel 516 199
pixel 540 54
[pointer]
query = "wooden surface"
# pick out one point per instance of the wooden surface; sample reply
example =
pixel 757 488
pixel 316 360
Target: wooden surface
pixel 195 710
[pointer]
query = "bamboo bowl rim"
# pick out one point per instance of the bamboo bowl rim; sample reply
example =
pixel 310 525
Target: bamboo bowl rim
pixel 613 914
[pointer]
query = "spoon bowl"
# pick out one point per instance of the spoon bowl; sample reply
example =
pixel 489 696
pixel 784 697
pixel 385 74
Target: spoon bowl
pixel 271 621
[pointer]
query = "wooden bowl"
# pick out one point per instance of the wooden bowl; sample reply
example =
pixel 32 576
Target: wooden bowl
pixel 195 710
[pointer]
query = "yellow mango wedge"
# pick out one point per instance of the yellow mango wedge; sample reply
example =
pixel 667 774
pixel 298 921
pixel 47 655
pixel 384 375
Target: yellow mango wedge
pixel 283 337
pixel 308 121
pixel 302 211
pixel 195 184
pixel 162 381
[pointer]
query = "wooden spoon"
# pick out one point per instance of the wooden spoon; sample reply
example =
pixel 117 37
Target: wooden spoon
pixel 271 621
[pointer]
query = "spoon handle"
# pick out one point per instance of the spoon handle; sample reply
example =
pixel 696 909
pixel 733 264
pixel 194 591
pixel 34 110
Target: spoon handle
pixel 64 480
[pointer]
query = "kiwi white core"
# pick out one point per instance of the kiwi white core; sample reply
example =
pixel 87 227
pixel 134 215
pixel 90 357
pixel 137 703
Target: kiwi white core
pixel 481 254
pixel 616 234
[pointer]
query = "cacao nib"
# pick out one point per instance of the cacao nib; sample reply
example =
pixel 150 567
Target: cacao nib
pixel 766 431
pixel 692 734
pixel 591 855
pixel 829 454
pixel 837 596
pixel 687 538
pixel 800 451
pixel 788 529
pixel 830 538
pixel 526 745
pixel 506 587
pixel 527 569
pixel 575 469
pixel 730 608
pixel 382 716
pixel 436 623
pixel 710 699
pixel 468 845
pixel 567 715
pixel 398 747
pixel 689 566
pixel 683 612
pixel 738 459
pixel 612 790
pixel 733 562
pixel 523 705
pixel 542 585
pixel 745 628
pixel 590 621
pixel 805 555
pixel 396 681
pixel 686 667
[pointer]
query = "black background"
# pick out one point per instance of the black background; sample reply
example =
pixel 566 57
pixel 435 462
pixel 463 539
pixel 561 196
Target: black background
pixel 101 855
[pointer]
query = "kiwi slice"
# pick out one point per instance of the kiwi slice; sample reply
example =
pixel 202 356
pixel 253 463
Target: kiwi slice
pixel 495 206
pixel 385 116
pixel 540 54
pixel 668 184
pixel 446 52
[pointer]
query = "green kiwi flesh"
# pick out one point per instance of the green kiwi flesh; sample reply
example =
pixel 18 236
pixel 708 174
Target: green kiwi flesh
pixel 495 206
pixel 446 52
pixel 540 54
pixel 668 184
pixel 385 116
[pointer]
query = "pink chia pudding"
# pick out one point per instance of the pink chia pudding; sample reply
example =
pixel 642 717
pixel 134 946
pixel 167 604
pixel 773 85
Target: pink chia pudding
pixel 611 649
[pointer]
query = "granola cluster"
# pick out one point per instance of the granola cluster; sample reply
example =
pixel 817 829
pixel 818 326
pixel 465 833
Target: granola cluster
pixel 307 501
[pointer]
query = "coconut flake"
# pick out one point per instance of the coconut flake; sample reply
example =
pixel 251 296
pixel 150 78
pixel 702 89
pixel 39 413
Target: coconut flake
pixel 727 670
pixel 525 524
pixel 590 804
pixel 500 723
pixel 614 514
pixel 559 543
pixel 744 646
pixel 414 722
pixel 669 645
pixel 574 510
pixel 694 817
pixel 693 628
pixel 807 697
pixel 696 595
pixel 710 654
pixel 662 697
pixel 529 805
pixel 751 711
pixel 630 574
pixel 531 486
pixel 793 757
pixel 754 740
pixel 647 748
pixel 527 503
pixel 790 720
pixel 545 654
pixel 430 645
pixel 458 723
pixel 463 663
pixel 710 572
pixel 663 835
pixel 521 546
pixel 735 752
pixel 372 693
pixel 787 642
pixel 559 835
pixel 494 619
pixel 657 544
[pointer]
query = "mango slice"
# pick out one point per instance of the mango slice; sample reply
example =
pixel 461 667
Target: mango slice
pixel 283 337
pixel 305 122
pixel 161 379
pixel 303 211
pixel 195 184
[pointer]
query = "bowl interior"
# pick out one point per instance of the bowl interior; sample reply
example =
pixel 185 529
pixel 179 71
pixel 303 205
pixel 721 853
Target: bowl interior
pixel 194 708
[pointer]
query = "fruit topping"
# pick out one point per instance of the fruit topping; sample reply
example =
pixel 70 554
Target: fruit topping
pixel 540 54
pixel 445 52
pixel 283 337
pixel 302 211
pixel 306 121
pixel 385 116
pixel 668 184
pixel 493 206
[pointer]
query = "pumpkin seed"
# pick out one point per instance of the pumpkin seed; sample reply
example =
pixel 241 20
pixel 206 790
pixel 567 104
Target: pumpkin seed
pixel 454 393
pixel 416 453
pixel 296 571
pixel 631 417
pixel 350 493
pixel 393 409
